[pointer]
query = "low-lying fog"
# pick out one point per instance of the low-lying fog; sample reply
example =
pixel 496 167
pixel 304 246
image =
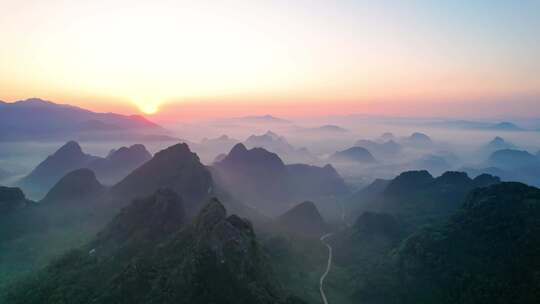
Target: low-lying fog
pixel 313 141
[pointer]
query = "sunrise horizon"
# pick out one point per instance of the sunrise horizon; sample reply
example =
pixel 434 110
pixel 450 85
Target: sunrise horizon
pixel 202 60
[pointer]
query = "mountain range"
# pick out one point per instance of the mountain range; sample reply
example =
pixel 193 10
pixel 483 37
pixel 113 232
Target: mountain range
pixel 109 169
pixel 259 177
pixel 417 196
pixel 353 155
pixel 149 253
pixel 40 119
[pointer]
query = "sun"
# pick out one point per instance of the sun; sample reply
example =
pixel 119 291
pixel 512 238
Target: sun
pixel 149 108
pixel 145 106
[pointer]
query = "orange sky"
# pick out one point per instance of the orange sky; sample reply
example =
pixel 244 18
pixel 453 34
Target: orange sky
pixel 192 60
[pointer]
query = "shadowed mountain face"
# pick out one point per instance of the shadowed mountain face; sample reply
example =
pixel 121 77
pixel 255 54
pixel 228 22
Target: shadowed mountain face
pixel 254 176
pixel 11 199
pixel 71 157
pixel 367 240
pixel 302 220
pixel 354 154
pixel 512 165
pixel 259 177
pixel 68 158
pixel 175 167
pixel 148 255
pixel 269 141
pixel 311 181
pixel 275 143
pixel 418 196
pixel 119 163
pixel 147 219
pixel 513 159
pixel 77 186
pixel 491 245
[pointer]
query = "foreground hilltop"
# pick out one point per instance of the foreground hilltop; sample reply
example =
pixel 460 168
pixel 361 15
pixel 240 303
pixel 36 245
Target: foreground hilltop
pixel 486 252
pixel 149 254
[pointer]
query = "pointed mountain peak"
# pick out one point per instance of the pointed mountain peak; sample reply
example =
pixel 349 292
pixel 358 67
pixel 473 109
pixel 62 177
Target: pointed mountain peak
pixel 498 139
pixel 77 185
pixel 175 167
pixel 211 214
pixel 178 149
pixel 136 151
pixel 303 219
pixel 70 148
pixel 238 149
pixel 271 134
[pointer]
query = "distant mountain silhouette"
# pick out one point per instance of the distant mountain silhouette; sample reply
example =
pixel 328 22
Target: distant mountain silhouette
pixel 506 126
pixel 477 125
pixel 354 154
pixel 260 177
pixel 431 162
pixel 311 181
pixel 79 186
pixel 256 176
pixel 419 140
pixel 119 163
pixel 497 143
pixel 275 143
pixel 223 143
pixel 302 220
pixel 39 119
pixel 386 136
pixel 385 149
pixel 269 141
pixel 261 119
pixel 70 157
pixel 217 259
pixel 513 159
pixel 327 129
pixel 208 148
pixel 175 167
pixel 367 193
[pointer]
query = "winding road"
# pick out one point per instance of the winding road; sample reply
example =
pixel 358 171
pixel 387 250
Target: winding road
pixel 329 263
pixel 328 266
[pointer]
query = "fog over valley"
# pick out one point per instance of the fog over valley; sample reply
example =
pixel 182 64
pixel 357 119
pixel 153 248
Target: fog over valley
pixel 258 205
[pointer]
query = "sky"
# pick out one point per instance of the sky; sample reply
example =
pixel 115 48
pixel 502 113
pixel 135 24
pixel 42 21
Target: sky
pixel 181 60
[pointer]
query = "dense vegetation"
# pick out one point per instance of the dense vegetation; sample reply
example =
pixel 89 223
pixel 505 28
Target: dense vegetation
pixel 148 255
